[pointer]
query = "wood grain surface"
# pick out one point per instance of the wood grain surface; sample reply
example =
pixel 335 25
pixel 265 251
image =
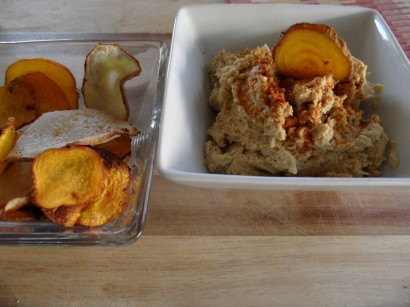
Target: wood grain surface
pixel 179 210
pixel 213 271
pixel 204 247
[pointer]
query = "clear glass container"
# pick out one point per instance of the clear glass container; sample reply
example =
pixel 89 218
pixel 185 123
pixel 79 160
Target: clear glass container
pixel 144 94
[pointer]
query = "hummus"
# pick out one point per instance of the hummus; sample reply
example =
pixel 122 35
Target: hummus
pixel 267 124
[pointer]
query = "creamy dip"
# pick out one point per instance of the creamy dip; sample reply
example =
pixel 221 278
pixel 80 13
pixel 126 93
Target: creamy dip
pixel 266 124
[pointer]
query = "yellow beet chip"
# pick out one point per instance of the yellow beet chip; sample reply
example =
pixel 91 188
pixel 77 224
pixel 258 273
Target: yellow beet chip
pixel 48 96
pixel 8 138
pixel 309 50
pixel 57 72
pixel 17 101
pixel 67 176
pixel 111 201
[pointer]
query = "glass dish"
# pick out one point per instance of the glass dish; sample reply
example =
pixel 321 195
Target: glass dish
pixel 144 94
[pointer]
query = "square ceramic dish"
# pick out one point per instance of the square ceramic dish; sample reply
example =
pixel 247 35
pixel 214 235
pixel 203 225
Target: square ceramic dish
pixel 144 94
pixel 201 31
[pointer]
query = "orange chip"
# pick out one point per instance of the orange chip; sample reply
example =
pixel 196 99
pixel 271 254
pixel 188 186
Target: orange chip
pixel 57 72
pixel 48 96
pixel 120 146
pixel 67 176
pixel 36 86
pixel 309 50
pixel 113 197
pixel 8 138
pixel 17 101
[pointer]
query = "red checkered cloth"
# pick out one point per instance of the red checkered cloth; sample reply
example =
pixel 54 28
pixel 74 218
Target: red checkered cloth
pixel 395 12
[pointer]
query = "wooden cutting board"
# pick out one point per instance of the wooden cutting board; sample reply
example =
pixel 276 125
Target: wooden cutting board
pixel 179 210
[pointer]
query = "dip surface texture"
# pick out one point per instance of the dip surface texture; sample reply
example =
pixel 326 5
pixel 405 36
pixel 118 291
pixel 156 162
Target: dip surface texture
pixel 267 124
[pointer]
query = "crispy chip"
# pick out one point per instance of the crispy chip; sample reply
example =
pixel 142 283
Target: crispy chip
pixel 120 146
pixel 112 199
pixel 66 165
pixel 8 138
pixel 108 204
pixel 107 67
pixel 64 215
pixel 55 71
pixel 17 100
pixel 48 96
pixel 67 176
pixel 61 128
pixel 306 50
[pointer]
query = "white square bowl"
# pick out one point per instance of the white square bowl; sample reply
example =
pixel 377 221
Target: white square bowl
pixel 201 31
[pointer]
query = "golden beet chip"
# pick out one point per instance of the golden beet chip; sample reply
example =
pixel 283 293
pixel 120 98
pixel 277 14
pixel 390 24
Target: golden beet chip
pixel 48 96
pixel 57 72
pixel 35 86
pixel 310 50
pixel 111 201
pixel 107 67
pixel 67 176
pixel 8 138
pixel 17 101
